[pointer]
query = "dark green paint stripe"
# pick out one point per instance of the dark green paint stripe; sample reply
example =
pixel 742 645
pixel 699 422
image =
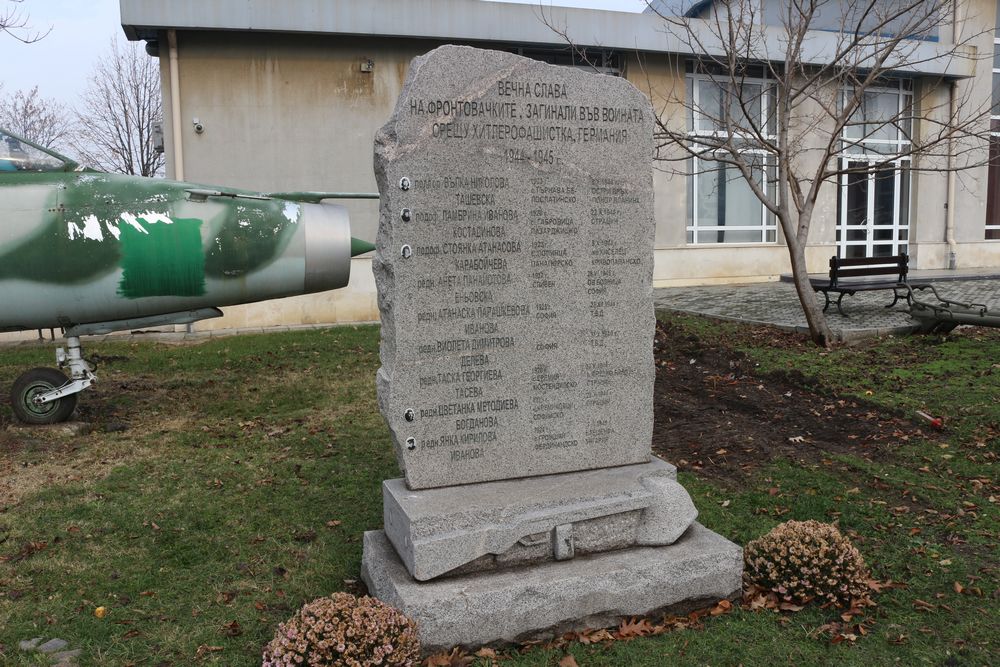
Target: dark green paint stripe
pixel 167 261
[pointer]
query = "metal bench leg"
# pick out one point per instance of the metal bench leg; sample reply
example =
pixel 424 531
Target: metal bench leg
pixel 839 299
pixel 895 297
pixel 826 295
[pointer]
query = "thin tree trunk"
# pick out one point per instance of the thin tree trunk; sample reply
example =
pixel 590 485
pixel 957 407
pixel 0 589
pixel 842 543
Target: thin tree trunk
pixel 819 330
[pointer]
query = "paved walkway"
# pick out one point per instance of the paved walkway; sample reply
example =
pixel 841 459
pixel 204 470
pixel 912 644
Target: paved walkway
pixel 776 303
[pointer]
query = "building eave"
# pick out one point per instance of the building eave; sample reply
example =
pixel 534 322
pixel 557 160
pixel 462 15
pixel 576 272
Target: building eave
pixel 477 21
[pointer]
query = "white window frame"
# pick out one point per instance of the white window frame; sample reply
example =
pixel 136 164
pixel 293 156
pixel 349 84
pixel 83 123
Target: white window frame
pixel 994 135
pixel 869 242
pixel 904 98
pixel 768 226
pixel 856 150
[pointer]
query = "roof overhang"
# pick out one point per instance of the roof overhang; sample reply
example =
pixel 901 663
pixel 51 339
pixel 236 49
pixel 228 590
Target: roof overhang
pixel 497 22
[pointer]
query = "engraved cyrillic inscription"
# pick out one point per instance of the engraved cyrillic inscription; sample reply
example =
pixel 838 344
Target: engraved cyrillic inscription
pixel 519 330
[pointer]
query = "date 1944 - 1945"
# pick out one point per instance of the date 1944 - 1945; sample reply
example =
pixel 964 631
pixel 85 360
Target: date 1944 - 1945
pixel 538 156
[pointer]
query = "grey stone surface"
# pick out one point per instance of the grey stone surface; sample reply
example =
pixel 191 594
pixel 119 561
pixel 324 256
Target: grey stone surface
pixel 53 646
pixel 535 519
pixel 588 591
pixel 514 268
pixel 29 644
pixel 67 656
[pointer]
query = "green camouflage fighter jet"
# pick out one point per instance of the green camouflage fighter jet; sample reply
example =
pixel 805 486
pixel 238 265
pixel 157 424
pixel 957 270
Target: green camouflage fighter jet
pixel 93 253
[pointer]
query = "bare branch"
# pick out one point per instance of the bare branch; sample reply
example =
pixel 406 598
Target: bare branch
pixel 45 122
pixel 118 111
pixel 15 22
pixel 786 97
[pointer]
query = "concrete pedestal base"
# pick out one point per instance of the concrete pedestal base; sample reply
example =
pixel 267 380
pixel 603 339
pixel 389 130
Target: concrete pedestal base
pixel 513 522
pixel 585 592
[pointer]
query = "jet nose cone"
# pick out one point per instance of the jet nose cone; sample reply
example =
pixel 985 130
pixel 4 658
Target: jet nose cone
pixel 359 247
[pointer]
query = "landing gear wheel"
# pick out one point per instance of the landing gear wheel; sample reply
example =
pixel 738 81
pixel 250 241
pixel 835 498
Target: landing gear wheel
pixel 38 381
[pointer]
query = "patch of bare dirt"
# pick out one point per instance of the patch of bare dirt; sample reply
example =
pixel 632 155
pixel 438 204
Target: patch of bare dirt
pixel 105 434
pixel 715 415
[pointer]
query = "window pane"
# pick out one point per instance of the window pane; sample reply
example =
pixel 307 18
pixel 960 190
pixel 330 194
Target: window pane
pixel 880 109
pixel 904 122
pixel 855 128
pixel 855 251
pixel 857 196
pixel 996 91
pixel 881 116
pixel 690 104
pixel 742 206
pixel 748 100
pixel 709 105
pixel 883 250
pixel 885 195
pixel 993 187
pixel 692 166
pixel 708 197
pixel 723 200
pixel 737 236
pixel 904 195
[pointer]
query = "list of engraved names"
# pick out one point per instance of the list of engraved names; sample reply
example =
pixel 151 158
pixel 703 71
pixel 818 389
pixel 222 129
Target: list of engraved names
pixel 522 276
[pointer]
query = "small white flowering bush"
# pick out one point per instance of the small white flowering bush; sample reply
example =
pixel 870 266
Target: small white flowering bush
pixel 344 630
pixel 802 561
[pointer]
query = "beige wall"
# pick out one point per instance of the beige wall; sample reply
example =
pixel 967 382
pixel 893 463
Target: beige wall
pixel 288 113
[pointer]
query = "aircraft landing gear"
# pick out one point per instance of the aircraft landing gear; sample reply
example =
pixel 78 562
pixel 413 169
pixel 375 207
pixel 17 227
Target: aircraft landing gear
pixel 46 395
pixel 32 385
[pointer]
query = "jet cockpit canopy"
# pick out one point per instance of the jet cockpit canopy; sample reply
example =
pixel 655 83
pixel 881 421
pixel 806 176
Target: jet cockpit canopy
pixel 19 154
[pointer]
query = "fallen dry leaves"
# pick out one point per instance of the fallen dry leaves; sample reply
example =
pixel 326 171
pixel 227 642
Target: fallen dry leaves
pixel 205 649
pixel 27 550
pixel 847 628
pixel 850 626
pixel 629 629
pixel 454 658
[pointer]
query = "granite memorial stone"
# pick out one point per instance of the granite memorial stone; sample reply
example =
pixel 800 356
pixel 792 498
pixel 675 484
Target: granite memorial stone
pixel 514 269
pixel 514 266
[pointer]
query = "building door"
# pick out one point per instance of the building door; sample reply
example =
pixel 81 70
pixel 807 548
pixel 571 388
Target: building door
pixel 874 209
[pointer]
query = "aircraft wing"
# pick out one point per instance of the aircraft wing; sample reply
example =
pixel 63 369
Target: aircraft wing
pixel 317 197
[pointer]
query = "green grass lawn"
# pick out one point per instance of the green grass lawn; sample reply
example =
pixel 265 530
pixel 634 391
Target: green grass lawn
pixel 226 483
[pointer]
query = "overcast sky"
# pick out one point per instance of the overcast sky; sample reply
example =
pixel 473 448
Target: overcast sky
pixel 81 32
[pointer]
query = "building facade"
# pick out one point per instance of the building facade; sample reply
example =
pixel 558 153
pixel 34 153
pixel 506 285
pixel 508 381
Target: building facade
pixel 289 96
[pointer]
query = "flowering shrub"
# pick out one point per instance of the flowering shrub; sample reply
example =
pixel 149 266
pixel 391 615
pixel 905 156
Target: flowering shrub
pixel 803 561
pixel 344 630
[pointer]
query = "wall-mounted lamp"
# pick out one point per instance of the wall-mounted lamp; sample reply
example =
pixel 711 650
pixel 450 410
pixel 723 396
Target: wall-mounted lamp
pixel 198 127
pixel 158 137
pixel 368 65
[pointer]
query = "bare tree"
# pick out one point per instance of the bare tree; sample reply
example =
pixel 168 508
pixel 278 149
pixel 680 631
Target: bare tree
pixel 118 110
pixel 43 121
pixel 789 104
pixel 14 22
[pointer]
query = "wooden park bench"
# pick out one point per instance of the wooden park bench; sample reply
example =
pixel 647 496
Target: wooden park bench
pixel 861 274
